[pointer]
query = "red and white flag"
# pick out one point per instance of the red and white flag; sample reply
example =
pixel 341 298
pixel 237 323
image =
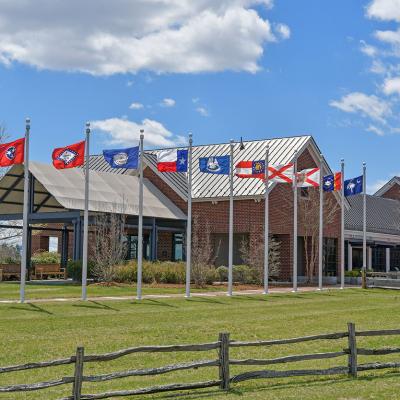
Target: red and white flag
pixel 308 177
pixel 250 169
pixel 12 153
pixel 281 173
pixel 69 156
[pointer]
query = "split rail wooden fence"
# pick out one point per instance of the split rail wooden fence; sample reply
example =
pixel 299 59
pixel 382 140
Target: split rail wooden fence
pixel 223 362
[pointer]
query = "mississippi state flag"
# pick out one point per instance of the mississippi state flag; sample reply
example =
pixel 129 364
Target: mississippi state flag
pixel 69 156
pixel 333 182
pixel 12 153
pixel 250 169
pixel 172 160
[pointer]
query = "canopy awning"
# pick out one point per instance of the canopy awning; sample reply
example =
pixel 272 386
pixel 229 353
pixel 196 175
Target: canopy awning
pixel 58 190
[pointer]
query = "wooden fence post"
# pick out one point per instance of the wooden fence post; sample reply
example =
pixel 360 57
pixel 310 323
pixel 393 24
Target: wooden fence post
pixel 364 279
pixel 352 358
pixel 224 361
pixel 78 375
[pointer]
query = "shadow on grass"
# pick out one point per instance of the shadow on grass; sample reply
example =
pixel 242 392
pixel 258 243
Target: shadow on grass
pixel 198 299
pixel 152 302
pixel 30 307
pixel 95 304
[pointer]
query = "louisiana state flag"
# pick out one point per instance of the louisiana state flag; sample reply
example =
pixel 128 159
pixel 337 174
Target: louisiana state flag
pixel 332 182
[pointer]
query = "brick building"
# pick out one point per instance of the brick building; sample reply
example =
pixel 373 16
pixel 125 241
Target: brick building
pixel 164 238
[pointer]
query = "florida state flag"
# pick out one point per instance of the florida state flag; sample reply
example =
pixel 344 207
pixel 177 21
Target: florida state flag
pixel 12 153
pixel 69 156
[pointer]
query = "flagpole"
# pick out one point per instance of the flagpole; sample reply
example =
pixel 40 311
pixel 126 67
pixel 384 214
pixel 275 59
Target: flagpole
pixel 342 227
pixel 295 223
pixel 230 262
pixel 25 225
pixel 364 216
pixel 86 216
pixel 140 224
pixel 321 221
pixel 189 219
pixel 266 223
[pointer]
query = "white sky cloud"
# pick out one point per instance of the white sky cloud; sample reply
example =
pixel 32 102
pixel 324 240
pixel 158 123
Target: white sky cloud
pixel 103 37
pixel 387 10
pixel 374 129
pixel 136 106
pixel 283 31
pixel 126 133
pixel 370 106
pixel 168 102
pixel 203 111
pixel 391 86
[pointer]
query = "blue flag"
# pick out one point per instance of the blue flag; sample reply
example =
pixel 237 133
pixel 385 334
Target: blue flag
pixel 215 165
pixel 122 158
pixel 353 186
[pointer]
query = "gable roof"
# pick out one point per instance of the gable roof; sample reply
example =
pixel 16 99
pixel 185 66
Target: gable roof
pixel 383 215
pixel 394 181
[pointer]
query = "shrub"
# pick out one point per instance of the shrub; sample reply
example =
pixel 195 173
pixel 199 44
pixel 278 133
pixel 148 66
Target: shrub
pixel 242 274
pixel 222 273
pixel 46 257
pixel 355 273
pixel 74 270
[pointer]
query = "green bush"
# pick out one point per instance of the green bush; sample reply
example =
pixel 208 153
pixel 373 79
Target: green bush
pixel 222 273
pixel 46 257
pixel 242 274
pixel 74 270
pixel 355 273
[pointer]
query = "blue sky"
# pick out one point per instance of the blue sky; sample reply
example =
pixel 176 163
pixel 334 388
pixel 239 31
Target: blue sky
pixel 251 68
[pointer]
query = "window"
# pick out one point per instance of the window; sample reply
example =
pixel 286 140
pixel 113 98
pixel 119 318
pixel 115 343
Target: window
pixel 378 259
pixel 132 247
pixel 304 194
pixel 177 247
pixel 330 256
pixel 53 243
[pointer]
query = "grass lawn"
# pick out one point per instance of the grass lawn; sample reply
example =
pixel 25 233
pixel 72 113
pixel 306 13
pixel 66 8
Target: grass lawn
pixel 10 290
pixel 38 332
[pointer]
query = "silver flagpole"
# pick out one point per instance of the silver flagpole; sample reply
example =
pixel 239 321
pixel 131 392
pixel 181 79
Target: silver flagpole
pixel 140 224
pixel 189 219
pixel 364 216
pixel 230 263
pixel 25 225
pixel 342 229
pixel 321 221
pixel 86 216
pixel 266 223
pixel 295 223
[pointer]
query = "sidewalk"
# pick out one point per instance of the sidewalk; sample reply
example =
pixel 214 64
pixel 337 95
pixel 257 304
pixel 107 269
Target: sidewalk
pixel 181 295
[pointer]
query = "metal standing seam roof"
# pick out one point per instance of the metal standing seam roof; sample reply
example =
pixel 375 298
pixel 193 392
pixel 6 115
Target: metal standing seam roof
pixel 383 215
pixel 116 193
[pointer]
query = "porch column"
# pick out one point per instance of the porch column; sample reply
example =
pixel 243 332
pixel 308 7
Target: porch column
pixel 64 247
pixel 369 265
pixel 153 240
pixel 29 253
pixel 387 259
pixel 349 257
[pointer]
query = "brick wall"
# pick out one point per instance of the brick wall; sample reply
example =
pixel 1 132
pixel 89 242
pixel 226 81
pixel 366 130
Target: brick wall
pixel 393 193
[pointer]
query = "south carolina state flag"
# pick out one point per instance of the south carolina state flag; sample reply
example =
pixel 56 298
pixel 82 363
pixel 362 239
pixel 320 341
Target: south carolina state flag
pixel 69 156
pixel 12 153
pixel 172 160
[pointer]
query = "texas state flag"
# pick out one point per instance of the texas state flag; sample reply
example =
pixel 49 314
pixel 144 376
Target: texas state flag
pixel 70 156
pixel 172 160
pixel 12 153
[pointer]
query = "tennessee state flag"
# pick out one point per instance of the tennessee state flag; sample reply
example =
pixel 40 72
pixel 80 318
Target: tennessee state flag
pixel 69 156
pixel 172 160
pixel 12 153
pixel 251 169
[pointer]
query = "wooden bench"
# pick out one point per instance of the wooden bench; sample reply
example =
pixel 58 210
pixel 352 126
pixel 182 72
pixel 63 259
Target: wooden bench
pixel 44 271
pixel 10 271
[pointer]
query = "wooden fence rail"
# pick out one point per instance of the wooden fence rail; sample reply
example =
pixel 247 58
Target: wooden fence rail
pixel 223 346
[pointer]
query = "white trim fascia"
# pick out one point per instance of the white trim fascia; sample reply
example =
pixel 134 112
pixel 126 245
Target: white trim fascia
pixel 384 237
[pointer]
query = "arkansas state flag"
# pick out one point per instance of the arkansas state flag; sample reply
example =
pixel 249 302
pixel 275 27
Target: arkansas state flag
pixel 172 160
pixel 12 153
pixel 69 156
pixel 251 169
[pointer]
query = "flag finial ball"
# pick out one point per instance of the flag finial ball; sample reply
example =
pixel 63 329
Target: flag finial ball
pixel 27 120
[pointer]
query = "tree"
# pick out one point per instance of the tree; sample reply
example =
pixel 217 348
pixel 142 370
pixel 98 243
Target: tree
pixel 308 204
pixel 252 253
pixel 109 245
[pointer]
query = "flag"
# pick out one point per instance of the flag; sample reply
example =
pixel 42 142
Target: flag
pixel 122 158
pixel 281 173
pixel 251 169
pixel 332 182
pixel 69 156
pixel 172 160
pixel 308 178
pixel 219 165
pixel 12 153
pixel 353 186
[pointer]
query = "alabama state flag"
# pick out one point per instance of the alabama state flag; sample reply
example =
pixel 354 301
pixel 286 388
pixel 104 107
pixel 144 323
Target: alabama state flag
pixel 69 156
pixel 12 153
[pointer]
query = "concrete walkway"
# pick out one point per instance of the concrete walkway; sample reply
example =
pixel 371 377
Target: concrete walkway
pixel 181 295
